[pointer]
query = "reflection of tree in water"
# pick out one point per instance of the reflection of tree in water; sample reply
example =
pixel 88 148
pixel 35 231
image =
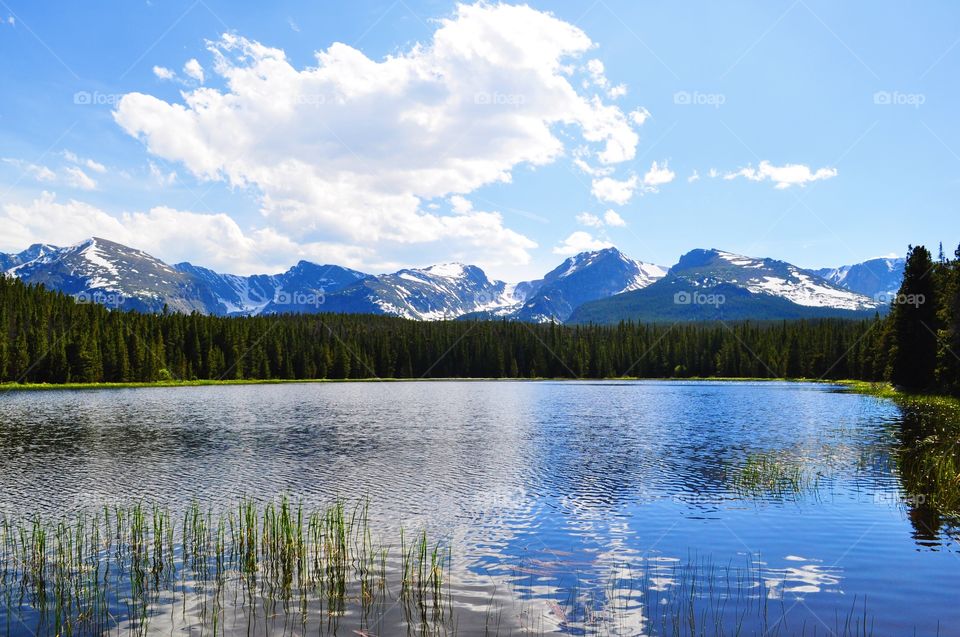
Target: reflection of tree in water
pixel 928 464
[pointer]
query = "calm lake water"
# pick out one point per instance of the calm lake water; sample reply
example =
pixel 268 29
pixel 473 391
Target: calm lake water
pixel 571 507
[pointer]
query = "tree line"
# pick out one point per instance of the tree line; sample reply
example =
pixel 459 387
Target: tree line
pixel 48 337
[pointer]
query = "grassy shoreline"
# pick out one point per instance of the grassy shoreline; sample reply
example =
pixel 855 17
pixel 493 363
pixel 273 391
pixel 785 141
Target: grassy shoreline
pixel 883 390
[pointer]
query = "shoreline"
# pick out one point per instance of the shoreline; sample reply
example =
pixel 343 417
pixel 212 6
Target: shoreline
pixel 884 390
pixel 867 388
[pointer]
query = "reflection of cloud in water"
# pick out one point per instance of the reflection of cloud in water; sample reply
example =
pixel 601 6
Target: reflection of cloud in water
pixel 809 576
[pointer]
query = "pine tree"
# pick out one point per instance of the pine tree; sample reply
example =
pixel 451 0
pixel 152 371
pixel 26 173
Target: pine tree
pixel 914 324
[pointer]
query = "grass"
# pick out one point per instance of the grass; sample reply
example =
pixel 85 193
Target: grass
pixel 772 474
pixel 124 569
pixel 284 381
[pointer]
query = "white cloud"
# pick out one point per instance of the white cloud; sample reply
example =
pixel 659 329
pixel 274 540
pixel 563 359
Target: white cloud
pixel 783 176
pixel 590 220
pixel 37 172
pixel 694 177
pixel 460 204
pixel 75 177
pixel 11 21
pixel 169 234
pixel 611 218
pixel 714 173
pixel 90 164
pixel 658 175
pixel 578 242
pixel 160 177
pixel 639 116
pixel 614 190
pixel 348 150
pixel 193 69
pixel 163 73
pixel 95 166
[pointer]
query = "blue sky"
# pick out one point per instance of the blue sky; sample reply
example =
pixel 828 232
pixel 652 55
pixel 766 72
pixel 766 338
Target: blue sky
pixel 863 95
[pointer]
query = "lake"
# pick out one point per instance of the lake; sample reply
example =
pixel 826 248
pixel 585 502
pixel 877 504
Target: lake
pixel 565 507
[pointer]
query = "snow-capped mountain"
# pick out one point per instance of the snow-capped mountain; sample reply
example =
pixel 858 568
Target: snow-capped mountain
pixel 439 292
pixel 585 277
pixel 711 284
pixel 35 251
pixel 101 271
pixel 600 286
pixel 302 288
pixel 877 278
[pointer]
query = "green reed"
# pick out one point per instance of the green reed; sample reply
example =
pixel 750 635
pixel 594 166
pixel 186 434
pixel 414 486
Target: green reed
pixel 772 474
pixel 119 569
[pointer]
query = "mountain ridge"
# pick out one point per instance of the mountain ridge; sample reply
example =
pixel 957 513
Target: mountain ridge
pixel 601 285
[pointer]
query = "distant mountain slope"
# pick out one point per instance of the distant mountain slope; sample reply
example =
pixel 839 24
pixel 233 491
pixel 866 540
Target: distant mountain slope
pixel 713 284
pixel 585 277
pixel 441 291
pixel 102 271
pixel 35 251
pixel 877 278
pixel 598 286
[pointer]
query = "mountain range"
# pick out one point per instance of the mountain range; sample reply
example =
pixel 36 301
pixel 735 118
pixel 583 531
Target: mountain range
pixel 602 286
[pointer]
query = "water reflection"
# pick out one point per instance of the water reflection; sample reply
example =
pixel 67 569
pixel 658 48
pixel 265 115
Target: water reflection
pixel 608 508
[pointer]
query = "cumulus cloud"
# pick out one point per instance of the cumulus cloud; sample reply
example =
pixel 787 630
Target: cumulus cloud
pixel 38 172
pixel 578 242
pixel 160 176
pixel 658 175
pixel 95 166
pixel 639 116
pixel 693 177
pixel 610 218
pixel 75 177
pixel 169 234
pixel 193 69
pixel 614 190
pixel 72 175
pixel 598 78
pixel 349 150
pixel 590 220
pixel 783 176
pixel 163 73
